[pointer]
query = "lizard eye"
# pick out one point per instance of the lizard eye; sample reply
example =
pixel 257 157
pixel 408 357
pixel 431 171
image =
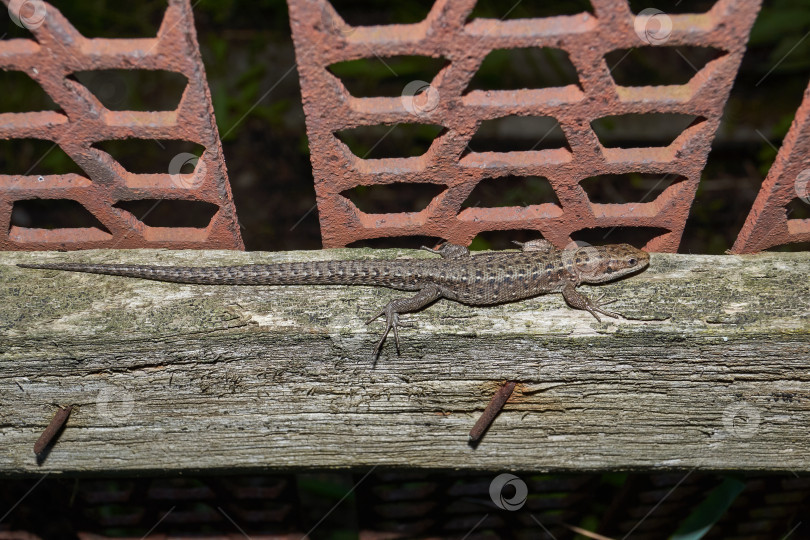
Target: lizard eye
pixel 632 262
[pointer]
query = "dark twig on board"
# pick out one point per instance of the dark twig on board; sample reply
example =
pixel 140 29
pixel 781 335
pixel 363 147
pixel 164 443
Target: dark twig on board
pixel 492 410
pixel 53 428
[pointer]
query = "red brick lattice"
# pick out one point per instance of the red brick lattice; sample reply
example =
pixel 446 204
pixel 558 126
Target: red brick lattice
pixel 58 51
pixel 789 178
pixel 322 38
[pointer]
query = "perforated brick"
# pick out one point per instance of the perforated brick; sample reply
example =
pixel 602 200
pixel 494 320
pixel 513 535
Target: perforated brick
pixel 56 52
pixel 322 38
pixel 789 178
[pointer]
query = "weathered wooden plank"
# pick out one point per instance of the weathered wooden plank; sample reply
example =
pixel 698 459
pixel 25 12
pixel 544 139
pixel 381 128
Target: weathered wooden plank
pixel 709 371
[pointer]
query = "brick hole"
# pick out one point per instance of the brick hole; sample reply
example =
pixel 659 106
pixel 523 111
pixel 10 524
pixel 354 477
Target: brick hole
pixel 497 9
pixel 170 212
pixel 103 491
pixel 652 66
pixel 631 187
pixel 530 67
pixel 385 76
pixel 673 6
pixel 52 214
pixel 798 209
pixel 263 488
pixel 22 94
pixel 112 18
pixel 517 133
pixel 414 489
pixel 35 157
pixel 636 236
pixel 511 191
pixel 9 30
pixel 126 519
pixel 503 239
pixel 143 156
pixel 374 12
pixel 391 198
pixel 131 511
pixel 791 248
pixel 401 242
pixel 408 525
pixel 179 488
pixel 406 510
pixel 257 513
pixel 134 90
pixel 642 130
pixel 383 141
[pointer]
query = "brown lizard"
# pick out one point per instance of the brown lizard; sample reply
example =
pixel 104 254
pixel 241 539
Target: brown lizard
pixel 477 280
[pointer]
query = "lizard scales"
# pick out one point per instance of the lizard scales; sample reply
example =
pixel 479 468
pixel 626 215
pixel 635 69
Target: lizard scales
pixel 494 278
pixel 482 279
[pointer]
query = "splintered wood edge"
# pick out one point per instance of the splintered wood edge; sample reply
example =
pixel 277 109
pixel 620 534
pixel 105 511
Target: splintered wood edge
pixel 708 371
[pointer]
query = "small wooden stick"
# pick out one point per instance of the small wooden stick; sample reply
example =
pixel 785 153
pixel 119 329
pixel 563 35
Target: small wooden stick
pixel 492 410
pixel 53 428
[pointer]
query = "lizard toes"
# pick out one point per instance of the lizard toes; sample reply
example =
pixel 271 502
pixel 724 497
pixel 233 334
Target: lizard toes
pixel 396 338
pixel 608 313
pixel 375 317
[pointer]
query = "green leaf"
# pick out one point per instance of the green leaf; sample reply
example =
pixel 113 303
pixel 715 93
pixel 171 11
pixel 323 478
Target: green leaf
pixel 774 24
pixel 709 512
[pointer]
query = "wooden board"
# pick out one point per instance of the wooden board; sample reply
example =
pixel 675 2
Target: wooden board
pixel 709 371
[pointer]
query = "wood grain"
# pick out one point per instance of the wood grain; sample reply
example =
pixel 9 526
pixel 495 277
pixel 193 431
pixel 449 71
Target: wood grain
pixel 709 371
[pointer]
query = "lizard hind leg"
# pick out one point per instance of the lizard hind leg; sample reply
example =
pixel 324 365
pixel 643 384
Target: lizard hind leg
pixel 426 295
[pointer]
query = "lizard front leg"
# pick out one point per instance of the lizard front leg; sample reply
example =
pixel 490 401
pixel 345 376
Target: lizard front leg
pixel 577 300
pixel 427 295
pixel 541 245
pixel 450 251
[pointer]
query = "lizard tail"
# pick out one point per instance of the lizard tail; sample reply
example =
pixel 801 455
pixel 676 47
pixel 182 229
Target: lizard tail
pixel 176 274
pixel 359 272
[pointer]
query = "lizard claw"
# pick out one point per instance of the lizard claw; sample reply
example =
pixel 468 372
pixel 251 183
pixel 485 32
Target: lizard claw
pixel 436 249
pixel 598 302
pixel 449 251
pixel 541 245
pixel 579 301
pixel 594 308
pixel 392 310
pixel 375 317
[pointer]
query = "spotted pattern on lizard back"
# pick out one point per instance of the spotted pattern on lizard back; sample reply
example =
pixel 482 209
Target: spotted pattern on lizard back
pixel 483 279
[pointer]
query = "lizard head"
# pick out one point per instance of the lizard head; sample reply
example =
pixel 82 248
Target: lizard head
pixel 598 264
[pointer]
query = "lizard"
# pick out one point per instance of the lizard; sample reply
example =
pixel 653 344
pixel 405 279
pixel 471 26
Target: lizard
pixel 489 278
